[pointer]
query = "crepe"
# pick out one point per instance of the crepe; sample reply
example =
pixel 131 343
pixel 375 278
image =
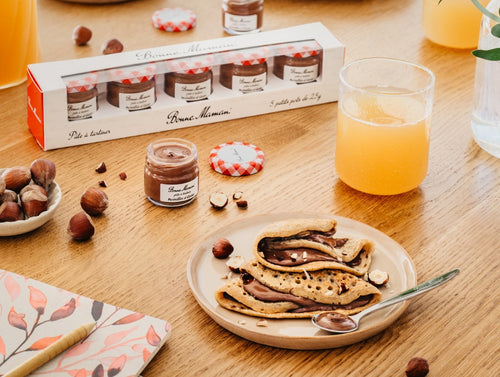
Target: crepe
pixel 309 244
pixel 263 292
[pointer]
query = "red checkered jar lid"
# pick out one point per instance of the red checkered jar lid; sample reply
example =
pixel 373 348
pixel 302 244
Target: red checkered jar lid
pixel 133 74
pixel 81 83
pixel 174 19
pixel 250 56
pixel 191 65
pixel 302 49
pixel 236 159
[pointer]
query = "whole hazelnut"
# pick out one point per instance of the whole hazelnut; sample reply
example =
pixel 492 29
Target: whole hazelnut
pixel 80 227
pixel 10 211
pixel 94 201
pixel 112 46
pixel 43 172
pixel 34 202
pixel 8 196
pixel 81 35
pixel 33 187
pixel 16 178
pixel 2 185
pixel 417 367
pixel 222 248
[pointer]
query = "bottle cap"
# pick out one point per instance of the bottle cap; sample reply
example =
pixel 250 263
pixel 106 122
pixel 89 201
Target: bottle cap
pixel 192 65
pixel 301 49
pixel 133 74
pixel 174 19
pixel 249 56
pixel 81 83
pixel 236 159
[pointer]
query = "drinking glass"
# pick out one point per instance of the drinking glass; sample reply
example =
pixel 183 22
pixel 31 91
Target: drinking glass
pixel 383 128
pixel 19 45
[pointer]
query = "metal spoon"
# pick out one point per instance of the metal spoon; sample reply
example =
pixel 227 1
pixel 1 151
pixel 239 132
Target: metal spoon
pixel 340 324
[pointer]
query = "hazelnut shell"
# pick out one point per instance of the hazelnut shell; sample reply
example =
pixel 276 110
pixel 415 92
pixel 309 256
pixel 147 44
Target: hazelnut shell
pixel 34 202
pixel 16 178
pixel 10 211
pixel 222 248
pixel 94 201
pixel 80 227
pixel 43 172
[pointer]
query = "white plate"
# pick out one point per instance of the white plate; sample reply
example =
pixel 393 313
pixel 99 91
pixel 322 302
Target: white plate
pixel 24 226
pixel 205 273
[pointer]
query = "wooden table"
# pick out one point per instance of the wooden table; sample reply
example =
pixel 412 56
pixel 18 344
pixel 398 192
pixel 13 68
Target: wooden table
pixel 137 258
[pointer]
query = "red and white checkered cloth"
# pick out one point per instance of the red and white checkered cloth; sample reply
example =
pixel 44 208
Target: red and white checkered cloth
pixel 302 49
pixel 133 74
pixel 249 56
pixel 81 83
pixel 174 19
pixel 236 159
pixel 192 65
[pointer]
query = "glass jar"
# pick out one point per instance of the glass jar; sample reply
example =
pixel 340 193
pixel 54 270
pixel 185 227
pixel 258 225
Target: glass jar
pixel 132 88
pixel 190 79
pixel 486 111
pixel 81 96
pixel 246 70
pixel 171 172
pixel 242 16
pixel 299 62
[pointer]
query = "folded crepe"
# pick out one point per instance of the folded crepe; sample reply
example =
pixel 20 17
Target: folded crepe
pixel 263 292
pixel 309 244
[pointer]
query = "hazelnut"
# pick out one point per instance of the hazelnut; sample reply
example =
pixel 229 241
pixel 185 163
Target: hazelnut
pixel 16 178
pixel 417 367
pixel 235 262
pixel 10 211
pixel 81 35
pixel 342 288
pixel 94 201
pixel 378 277
pixel 34 202
pixel 101 168
pixel 242 204
pixel 33 187
pixel 2 185
pixel 123 176
pixel 112 46
pixel 8 196
pixel 237 195
pixel 102 183
pixel 80 227
pixel 222 248
pixel 218 200
pixel 43 172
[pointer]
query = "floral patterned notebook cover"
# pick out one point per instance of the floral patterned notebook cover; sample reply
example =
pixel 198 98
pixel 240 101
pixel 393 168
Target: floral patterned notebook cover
pixel 33 315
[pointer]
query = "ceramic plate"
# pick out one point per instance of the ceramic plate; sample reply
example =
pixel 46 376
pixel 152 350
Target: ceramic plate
pixel 205 275
pixel 24 226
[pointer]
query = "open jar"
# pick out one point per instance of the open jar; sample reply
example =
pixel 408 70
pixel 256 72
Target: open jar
pixel 171 172
pixel 299 62
pixel 190 79
pixel 132 88
pixel 246 70
pixel 81 96
pixel 242 16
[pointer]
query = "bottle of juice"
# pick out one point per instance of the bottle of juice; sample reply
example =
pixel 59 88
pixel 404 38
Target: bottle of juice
pixel 19 45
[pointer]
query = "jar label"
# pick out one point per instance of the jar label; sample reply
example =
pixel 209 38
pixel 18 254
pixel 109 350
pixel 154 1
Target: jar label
pixel 249 83
pixel 137 101
pixel 82 110
pixel 179 192
pixel 193 92
pixel 240 23
pixel 300 75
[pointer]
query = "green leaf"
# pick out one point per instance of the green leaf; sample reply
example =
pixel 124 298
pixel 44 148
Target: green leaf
pixel 493 54
pixel 485 11
pixel 495 30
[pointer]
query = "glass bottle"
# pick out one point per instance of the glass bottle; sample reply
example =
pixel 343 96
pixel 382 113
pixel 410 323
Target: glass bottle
pixel 486 111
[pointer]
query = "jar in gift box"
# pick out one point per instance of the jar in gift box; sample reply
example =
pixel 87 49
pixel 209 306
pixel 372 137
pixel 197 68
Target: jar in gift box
pixel 81 95
pixel 190 79
pixel 299 62
pixel 245 70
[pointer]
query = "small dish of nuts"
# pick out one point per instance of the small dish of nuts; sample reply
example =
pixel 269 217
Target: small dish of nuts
pixel 27 202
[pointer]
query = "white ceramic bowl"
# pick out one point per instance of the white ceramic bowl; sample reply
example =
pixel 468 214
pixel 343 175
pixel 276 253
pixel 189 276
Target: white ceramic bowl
pixel 14 228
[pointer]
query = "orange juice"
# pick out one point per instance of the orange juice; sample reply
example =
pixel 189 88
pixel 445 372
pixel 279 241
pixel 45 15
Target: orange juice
pixel 452 23
pixel 382 142
pixel 19 45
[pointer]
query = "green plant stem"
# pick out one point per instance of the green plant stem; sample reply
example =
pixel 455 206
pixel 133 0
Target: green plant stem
pixel 485 11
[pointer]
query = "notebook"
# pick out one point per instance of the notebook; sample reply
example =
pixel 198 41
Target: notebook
pixel 33 315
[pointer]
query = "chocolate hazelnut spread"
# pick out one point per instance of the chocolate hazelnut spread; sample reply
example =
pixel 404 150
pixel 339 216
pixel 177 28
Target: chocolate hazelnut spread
pixel 189 86
pixel 335 321
pixel 299 62
pixel 242 16
pixel 81 96
pixel 253 287
pixel 171 172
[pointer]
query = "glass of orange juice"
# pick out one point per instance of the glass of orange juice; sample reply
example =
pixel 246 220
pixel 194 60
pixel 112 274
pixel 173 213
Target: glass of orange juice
pixel 452 23
pixel 383 127
pixel 19 45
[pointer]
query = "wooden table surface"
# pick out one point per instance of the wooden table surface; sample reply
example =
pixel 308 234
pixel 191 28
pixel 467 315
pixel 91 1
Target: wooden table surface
pixel 138 256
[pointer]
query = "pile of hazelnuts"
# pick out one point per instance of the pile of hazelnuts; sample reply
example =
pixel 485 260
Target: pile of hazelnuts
pixel 23 191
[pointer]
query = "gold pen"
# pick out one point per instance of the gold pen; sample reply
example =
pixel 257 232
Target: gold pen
pixel 51 351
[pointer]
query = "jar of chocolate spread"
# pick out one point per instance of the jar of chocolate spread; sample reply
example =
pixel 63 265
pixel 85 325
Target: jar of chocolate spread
pixel 299 62
pixel 190 79
pixel 171 172
pixel 246 70
pixel 242 16
pixel 81 95
pixel 133 87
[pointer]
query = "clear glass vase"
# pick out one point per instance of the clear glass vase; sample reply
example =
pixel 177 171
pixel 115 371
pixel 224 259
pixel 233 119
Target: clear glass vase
pixel 486 112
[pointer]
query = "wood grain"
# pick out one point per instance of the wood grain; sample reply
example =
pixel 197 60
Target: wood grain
pixel 137 258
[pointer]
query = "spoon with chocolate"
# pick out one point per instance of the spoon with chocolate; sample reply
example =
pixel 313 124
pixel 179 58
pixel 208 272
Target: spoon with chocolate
pixel 340 324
